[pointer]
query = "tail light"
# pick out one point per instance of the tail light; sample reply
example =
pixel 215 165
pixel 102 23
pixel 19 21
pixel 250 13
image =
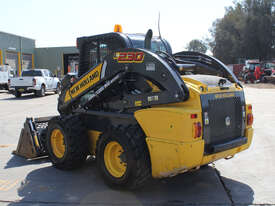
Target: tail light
pixel 249 119
pixel 33 82
pixel 197 129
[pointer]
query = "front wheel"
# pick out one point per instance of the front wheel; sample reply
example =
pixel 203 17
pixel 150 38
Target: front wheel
pixel 41 92
pixel 67 142
pixel 123 158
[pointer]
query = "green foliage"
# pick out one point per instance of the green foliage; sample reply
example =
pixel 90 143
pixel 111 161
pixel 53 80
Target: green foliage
pixel 197 46
pixel 245 31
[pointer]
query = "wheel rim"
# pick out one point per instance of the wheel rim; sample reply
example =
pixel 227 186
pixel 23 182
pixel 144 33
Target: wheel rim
pixel 57 143
pixel 114 159
pixel 43 91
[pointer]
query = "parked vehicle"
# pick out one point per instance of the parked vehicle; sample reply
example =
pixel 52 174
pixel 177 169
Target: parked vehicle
pixel 37 81
pixel 6 73
pixel 248 74
pixel 267 67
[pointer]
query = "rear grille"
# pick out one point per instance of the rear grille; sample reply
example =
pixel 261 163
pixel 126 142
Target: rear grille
pixel 225 118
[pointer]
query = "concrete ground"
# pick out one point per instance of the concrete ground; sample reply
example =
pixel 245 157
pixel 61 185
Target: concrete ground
pixel 247 179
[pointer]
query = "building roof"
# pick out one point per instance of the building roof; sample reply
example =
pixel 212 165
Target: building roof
pixel 16 35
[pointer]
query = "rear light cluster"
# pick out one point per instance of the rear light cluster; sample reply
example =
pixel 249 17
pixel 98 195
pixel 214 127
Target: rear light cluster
pixel 33 81
pixel 250 119
pixel 197 129
pixel 249 116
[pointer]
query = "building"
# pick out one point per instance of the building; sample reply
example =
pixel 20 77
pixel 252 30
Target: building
pixel 17 51
pixel 60 60
pixel 20 53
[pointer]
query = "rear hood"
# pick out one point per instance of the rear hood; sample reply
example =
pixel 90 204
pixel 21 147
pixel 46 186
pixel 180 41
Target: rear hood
pixel 209 80
pixel 203 64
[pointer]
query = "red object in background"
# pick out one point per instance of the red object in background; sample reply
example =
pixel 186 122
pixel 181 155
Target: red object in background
pixel 258 72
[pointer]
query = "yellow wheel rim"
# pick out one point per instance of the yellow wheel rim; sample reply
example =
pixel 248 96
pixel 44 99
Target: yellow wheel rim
pixel 113 159
pixel 57 143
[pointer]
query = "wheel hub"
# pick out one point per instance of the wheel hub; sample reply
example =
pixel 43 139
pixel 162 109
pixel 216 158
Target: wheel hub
pixel 57 143
pixel 115 159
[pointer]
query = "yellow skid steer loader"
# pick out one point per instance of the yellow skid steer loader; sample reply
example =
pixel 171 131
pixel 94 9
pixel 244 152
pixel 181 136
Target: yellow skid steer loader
pixel 142 111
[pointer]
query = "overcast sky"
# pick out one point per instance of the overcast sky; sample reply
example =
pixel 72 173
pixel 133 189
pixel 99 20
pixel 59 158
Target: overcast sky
pixel 60 22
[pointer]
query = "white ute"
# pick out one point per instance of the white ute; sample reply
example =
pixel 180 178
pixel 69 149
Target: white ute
pixel 6 73
pixel 38 81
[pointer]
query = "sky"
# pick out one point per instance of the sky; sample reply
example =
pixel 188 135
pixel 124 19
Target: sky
pixel 59 22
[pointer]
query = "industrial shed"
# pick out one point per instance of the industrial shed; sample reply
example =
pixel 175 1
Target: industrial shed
pixel 17 51
pixel 20 53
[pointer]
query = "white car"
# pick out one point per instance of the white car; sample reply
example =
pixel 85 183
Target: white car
pixel 37 81
pixel 6 73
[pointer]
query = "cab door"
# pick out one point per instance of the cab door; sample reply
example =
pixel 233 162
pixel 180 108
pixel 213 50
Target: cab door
pixel 49 79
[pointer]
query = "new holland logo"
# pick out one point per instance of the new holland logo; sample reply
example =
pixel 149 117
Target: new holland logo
pixel 129 57
pixel 84 82
pixel 87 81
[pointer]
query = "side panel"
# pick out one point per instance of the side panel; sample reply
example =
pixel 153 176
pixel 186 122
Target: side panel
pixel 170 141
pixel 170 158
pixel 171 123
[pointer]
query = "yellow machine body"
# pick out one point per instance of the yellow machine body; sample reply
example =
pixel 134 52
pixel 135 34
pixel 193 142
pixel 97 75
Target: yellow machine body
pixel 170 133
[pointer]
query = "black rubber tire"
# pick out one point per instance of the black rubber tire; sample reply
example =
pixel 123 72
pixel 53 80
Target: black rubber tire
pixel 132 140
pixel 75 140
pixel 17 94
pixel 41 92
pixel 58 88
pixel 7 87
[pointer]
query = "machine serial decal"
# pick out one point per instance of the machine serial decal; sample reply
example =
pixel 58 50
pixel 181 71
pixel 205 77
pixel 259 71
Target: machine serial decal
pixel 87 81
pixel 225 95
pixel 153 98
pixel 129 57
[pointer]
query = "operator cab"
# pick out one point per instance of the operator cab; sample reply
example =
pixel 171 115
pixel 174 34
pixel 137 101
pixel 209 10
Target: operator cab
pixel 96 48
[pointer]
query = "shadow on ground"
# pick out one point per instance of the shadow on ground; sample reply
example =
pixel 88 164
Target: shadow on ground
pixel 25 97
pixel 49 186
pixel 17 161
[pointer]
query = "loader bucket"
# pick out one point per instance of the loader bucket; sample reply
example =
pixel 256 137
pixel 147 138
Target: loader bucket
pixel 32 138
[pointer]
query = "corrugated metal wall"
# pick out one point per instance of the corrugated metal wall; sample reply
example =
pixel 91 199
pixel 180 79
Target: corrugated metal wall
pixel 52 57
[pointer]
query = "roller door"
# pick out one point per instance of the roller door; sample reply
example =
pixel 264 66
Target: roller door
pixel 26 61
pixel 11 58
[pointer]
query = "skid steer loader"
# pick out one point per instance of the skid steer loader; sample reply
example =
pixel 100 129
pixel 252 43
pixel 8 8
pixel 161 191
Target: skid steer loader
pixel 142 111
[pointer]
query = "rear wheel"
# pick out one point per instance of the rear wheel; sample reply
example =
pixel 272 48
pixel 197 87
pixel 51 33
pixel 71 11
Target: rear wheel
pixel 17 94
pixel 123 158
pixel 67 142
pixel 7 87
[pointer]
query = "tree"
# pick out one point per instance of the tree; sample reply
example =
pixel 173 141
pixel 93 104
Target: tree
pixel 197 46
pixel 245 31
